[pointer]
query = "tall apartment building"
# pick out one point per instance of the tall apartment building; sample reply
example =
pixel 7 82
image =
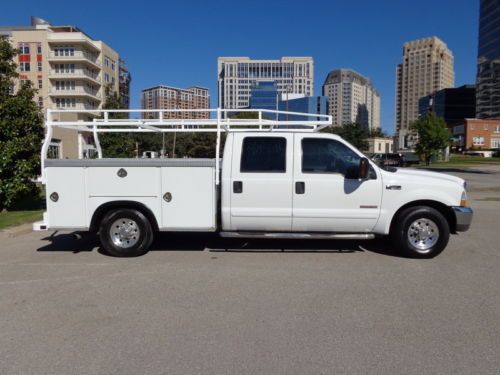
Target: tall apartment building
pixel 427 67
pixel 237 75
pixel 166 97
pixel 352 98
pixel 488 61
pixel 70 70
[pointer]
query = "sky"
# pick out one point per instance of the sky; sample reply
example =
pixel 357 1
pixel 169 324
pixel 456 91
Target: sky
pixel 177 43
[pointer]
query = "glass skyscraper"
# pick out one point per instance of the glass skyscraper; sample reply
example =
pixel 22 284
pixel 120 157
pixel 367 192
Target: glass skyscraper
pixel 264 95
pixel 488 61
pixel 308 104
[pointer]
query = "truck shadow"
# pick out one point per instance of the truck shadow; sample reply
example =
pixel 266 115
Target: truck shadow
pixel 68 242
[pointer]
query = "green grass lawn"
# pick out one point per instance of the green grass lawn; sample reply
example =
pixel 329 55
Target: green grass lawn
pixel 10 218
pixel 472 159
pixel 464 161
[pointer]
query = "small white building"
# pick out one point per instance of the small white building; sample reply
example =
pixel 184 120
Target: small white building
pixel 380 145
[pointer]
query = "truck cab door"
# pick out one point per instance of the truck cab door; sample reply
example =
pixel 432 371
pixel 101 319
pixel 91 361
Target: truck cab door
pixel 327 195
pixel 261 182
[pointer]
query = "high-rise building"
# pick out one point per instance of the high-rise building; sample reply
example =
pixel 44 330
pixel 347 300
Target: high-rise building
pixel 488 61
pixel 237 75
pixel 427 67
pixel 352 98
pixel 453 104
pixel 70 70
pixel 166 97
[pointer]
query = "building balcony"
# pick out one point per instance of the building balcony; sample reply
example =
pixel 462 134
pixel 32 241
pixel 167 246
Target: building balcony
pixel 76 74
pixel 72 38
pixel 76 92
pixel 79 56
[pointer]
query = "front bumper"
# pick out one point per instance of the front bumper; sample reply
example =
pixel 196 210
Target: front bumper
pixel 463 217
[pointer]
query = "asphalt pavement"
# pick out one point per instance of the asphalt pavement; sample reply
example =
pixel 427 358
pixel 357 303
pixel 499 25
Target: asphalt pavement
pixel 198 304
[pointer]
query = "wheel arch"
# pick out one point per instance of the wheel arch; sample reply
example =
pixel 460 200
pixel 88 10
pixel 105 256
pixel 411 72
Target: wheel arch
pixel 445 210
pixel 104 208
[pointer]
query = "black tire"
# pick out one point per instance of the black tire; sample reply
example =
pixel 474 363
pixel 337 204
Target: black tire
pixel 126 239
pixel 420 232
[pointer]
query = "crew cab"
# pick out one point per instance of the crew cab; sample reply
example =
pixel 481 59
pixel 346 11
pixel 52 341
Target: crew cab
pixel 277 179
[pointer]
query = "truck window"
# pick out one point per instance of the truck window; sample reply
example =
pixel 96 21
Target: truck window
pixel 320 155
pixel 263 154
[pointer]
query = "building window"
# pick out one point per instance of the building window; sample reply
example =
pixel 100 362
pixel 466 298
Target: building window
pixel 478 141
pixel 24 49
pixel 497 129
pixel 65 102
pixel 495 143
pixel 40 102
pixel 54 151
pixel 24 66
pixel 39 66
pixel 40 83
pixel 67 51
pixel 39 49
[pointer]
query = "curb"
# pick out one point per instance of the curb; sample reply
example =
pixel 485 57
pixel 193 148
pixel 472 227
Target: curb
pixel 17 230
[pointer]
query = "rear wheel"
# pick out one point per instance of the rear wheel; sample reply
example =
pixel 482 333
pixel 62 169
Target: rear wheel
pixel 125 233
pixel 420 232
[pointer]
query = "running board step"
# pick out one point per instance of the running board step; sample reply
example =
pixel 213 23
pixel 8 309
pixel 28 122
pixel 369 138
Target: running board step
pixel 330 236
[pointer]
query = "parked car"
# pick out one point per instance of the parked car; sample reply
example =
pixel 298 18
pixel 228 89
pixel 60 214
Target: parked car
pixel 392 160
pixel 272 183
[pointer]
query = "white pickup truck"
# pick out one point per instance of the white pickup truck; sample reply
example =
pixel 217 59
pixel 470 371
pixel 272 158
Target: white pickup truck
pixel 277 179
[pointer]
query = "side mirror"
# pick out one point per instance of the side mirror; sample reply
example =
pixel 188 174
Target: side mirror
pixel 364 166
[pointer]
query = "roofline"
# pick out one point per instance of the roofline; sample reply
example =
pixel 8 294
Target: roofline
pixel 173 87
pixel 267 60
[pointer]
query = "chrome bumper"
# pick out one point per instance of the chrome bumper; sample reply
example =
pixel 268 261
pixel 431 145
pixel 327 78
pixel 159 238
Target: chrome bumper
pixel 463 217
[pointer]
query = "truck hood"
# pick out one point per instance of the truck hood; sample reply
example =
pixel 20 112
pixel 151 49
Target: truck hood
pixel 416 173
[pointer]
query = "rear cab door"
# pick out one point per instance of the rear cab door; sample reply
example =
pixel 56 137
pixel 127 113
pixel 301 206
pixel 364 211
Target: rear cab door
pixel 261 182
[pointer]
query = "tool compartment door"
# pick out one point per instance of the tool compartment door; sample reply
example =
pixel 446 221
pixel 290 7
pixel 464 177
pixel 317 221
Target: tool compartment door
pixel 188 198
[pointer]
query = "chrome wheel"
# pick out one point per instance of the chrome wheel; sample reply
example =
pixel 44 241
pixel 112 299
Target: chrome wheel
pixel 124 233
pixel 423 234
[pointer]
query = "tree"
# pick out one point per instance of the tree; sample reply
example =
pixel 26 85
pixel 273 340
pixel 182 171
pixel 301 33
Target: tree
pixel 433 136
pixel 21 134
pixel 354 133
pixel 116 145
pixel 377 133
pixel 243 115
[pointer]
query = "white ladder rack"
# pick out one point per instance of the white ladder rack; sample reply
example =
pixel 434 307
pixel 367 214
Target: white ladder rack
pixel 219 120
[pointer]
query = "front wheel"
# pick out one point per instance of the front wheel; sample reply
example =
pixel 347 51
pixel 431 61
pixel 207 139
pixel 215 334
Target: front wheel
pixel 125 233
pixel 420 232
